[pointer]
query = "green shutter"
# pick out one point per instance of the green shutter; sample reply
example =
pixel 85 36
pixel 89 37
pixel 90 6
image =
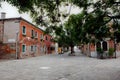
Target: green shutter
pixel 23 48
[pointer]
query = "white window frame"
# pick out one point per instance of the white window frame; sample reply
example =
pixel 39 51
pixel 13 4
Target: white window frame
pixel 24 27
pixel 35 48
pixel 42 36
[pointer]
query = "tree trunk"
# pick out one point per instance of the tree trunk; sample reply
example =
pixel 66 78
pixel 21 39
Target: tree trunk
pixel 72 51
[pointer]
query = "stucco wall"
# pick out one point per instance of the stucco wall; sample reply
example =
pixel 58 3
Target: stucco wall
pixel 1 31
pixel 11 27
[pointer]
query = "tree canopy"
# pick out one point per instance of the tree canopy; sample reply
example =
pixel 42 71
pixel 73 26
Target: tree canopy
pixel 92 21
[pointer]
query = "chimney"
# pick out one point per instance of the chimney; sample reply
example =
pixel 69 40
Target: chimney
pixel 3 15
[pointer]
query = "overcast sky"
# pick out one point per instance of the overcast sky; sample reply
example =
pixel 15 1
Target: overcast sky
pixel 12 12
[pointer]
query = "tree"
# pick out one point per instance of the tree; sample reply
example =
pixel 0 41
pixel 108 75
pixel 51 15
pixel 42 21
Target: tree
pixel 97 15
pixel 70 34
pixel 39 9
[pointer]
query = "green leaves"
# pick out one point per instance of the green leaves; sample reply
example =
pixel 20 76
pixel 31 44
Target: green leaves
pixel 92 20
pixel 73 28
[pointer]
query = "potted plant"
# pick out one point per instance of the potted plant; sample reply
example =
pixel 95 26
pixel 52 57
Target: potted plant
pixel 100 53
pixel 111 52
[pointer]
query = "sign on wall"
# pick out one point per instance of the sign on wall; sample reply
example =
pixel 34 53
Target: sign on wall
pixel 11 40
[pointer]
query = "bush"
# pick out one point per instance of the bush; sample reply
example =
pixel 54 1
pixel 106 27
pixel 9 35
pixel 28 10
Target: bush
pixel 99 50
pixel 110 52
pixel 100 53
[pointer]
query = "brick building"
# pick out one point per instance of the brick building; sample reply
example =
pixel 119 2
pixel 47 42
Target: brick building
pixel 23 39
pixel 48 43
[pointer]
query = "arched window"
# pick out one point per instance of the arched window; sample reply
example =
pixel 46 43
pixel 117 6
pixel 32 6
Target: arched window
pixel 104 44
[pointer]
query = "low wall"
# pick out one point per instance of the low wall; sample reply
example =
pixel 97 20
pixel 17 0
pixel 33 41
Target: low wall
pixel 93 54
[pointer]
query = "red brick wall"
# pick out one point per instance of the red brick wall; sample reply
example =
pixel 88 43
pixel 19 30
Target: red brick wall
pixel 6 49
pixel 48 43
pixel 111 44
pixel 92 47
pixel 27 39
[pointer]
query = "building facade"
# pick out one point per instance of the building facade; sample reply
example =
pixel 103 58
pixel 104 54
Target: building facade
pixel 48 43
pixel 23 39
pixel 90 49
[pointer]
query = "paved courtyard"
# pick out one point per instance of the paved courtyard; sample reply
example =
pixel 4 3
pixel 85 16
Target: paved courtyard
pixel 60 67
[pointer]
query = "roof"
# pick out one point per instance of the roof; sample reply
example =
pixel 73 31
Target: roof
pixel 20 18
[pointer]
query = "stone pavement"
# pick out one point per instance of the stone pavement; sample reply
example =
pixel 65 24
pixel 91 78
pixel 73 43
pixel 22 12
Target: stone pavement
pixel 60 67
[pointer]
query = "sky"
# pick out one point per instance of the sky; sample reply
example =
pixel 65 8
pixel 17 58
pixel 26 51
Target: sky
pixel 12 12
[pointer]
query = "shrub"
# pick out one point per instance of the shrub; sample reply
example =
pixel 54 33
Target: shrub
pixel 110 52
pixel 100 53
pixel 99 50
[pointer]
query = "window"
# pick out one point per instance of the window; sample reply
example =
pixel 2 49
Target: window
pixel 24 30
pixel 46 38
pixel 104 44
pixel 31 48
pixel 23 48
pixel 35 48
pixel 36 35
pixel 32 33
pixel 41 36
